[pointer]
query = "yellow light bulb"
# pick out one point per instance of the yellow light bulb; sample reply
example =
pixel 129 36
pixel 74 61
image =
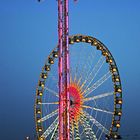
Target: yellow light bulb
pixel 119 113
pixel 117 80
pixel 120 102
pixel 40 93
pixel 83 40
pixel 114 70
pixel 38 121
pixel 89 41
pixel 95 43
pixel 110 60
pixel 42 85
pixel 118 125
pixel 77 40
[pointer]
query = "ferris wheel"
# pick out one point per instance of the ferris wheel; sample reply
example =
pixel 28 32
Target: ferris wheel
pixel 95 93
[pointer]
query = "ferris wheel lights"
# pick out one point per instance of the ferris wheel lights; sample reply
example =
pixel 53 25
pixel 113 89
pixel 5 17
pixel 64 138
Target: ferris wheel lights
pixel 38 120
pixel 41 84
pixel 39 92
pixel 40 129
pixel 80 37
pixel 77 40
pixel 51 61
pixel 86 39
pixel 38 111
pixel 89 40
pixel 27 138
pixel 38 101
pixel 113 69
pixel 41 138
pixel 116 78
pixel 119 101
pixel 109 59
pixel 83 39
pixel 118 125
pixel 44 75
pixel 47 67
pixel 95 43
pixel 107 137
pixel 99 47
pixel 118 88
pixel 71 41
pixel 55 54
pixel 115 136
pixel 118 112
pixel 104 53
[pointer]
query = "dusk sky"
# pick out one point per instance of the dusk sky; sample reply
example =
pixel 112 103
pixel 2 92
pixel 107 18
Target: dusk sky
pixel 28 33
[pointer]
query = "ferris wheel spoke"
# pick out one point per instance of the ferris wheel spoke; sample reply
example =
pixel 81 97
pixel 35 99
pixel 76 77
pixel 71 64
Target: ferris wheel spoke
pixel 103 79
pixel 71 130
pixel 94 72
pixel 79 66
pixel 96 123
pixel 103 95
pixel 49 116
pixel 85 69
pixel 52 103
pixel 76 71
pixel 55 133
pixel 51 91
pixel 54 79
pixel 76 128
pixel 98 109
pixel 50 129
pixel 85 72
pixel 87 129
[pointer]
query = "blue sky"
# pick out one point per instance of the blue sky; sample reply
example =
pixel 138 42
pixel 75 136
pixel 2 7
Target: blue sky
pixel 28 32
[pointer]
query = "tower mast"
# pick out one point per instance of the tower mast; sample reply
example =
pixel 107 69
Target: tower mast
pixel 64 70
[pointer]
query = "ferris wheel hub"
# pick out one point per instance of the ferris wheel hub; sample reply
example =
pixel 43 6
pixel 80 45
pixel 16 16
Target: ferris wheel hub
pixel 76 101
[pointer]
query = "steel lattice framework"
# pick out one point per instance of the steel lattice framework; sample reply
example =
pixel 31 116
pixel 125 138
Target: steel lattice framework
pixel 74 113
pixel 64 77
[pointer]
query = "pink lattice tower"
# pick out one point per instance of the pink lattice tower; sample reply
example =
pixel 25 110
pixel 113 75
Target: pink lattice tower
pixel 64 68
